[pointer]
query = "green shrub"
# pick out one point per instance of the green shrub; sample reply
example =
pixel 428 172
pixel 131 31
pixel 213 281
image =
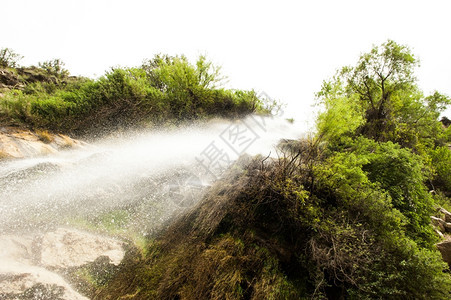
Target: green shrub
pixel 401 174
pixel 54 67
pixel 441 161
pixel 162 90
pixel 9 58
pixel 375 238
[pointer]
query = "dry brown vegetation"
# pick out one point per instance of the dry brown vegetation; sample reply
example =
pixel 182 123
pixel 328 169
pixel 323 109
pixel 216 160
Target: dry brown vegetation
pixel 284 229
pixel 44 136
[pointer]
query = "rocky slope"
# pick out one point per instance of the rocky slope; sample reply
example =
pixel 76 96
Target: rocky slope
pixel 18 78
pixel 19 143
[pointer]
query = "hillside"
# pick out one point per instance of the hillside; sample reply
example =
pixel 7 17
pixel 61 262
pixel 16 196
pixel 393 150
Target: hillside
pixel 286 230
pixel 344 213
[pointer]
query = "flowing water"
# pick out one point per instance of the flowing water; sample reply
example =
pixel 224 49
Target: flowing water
pixel 132 183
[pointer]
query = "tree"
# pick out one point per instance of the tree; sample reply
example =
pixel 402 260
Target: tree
pixel 9 58
pixel 382 87
pixel 341 115
pixel 378 76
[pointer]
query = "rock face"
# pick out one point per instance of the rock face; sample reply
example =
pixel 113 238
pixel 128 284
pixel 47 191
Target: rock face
pixel 30 267
pixel 9 79
pixel 18 78
pixel 444 225
pixel 20 143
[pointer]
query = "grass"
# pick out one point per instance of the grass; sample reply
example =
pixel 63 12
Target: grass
pixel 207 253
pixel 114 223
pixel 44 136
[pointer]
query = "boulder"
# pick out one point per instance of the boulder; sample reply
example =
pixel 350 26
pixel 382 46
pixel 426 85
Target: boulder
pixel 445 249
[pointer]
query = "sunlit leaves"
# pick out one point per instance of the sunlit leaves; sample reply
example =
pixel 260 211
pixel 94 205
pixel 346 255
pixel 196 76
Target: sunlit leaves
pixel 382 87
pixel 9 58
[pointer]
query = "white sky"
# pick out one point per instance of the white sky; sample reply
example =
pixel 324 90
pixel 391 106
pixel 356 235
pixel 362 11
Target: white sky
pixel 284 48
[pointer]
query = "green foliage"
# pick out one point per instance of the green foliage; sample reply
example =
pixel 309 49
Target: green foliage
pixel 383 146
pixel 401 173
pixel 284 231
pixel 375 239
pixel 192 91
pixel 382 90
pixel 16 105
pixel 37 87
pixel 377 79
pixel 163 89
pixel 54 67
pixel 441 161
pixel 341 115
pixel 342 182
pixel 9 58
pixel 379 100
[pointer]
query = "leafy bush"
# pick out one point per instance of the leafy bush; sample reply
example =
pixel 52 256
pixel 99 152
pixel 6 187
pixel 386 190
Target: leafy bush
pixel 402 174
pixel 163 89
pixel 375 239
pixel 54 67
pixel 9 58
pixel 441 161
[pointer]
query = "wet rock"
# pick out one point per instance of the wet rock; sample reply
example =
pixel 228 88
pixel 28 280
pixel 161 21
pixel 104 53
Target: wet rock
pixel 18 249
pixel 439 223
pixel 30 266
pixel 30 282
pixel 65 248
pixel 443 229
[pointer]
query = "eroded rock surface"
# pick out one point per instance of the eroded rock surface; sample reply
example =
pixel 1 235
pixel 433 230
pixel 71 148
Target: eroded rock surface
pixel 20 143
pixel 30 266
pixel 66 248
